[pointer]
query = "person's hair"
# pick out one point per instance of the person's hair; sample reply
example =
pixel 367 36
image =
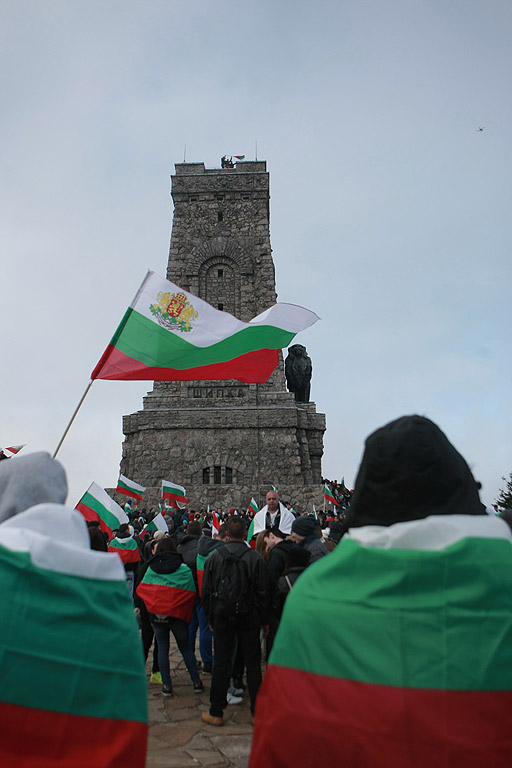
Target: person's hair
pixel 237 529
pixel 167 544
pixel 275 530
pixel 261 543
pixel 97 539
pixel 223 529
pixel 194 528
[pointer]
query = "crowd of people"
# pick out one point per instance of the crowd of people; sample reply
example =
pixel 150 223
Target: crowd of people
pixel 283 546
pixel 386 627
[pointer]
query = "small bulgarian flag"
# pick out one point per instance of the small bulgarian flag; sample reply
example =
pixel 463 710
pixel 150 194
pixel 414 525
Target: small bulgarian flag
pixel 173 492
pixel 215 522
pixel 129 488
pixel 168 334
pixel 157 524
pixel 417 646
pixel 275 489
pixel 96 504
pixel 239 157
pixel 73 690
pixel 253 507
pixel 14 448
pixel 328 494
pixel 250 532
pixel 171 594
pixel 315 512
pixel 127 549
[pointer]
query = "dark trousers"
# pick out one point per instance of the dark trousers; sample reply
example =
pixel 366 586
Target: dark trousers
pixel 199 620
pixel 225 631
pixel 179 628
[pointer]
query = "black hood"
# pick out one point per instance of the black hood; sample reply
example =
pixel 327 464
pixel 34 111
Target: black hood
pixel 409 471
pixel 165 562
pixel 205 545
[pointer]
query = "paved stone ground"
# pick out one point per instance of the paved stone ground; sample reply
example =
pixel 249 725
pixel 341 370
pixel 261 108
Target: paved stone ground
pixel 177 736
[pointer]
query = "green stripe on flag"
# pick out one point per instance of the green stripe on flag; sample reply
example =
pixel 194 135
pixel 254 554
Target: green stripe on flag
pixel 408 618
pixel 181 578
pixel 105 514
pixel 144 340
pixel 67 635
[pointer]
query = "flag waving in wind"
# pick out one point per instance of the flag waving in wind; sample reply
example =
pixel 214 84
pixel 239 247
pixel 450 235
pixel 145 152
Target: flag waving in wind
pixel 173 492
pixel 328 494
pixel 129 488
pixel 168 334
pixel 96 504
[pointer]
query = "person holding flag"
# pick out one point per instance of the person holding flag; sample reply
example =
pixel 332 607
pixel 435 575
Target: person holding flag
pixel 125 545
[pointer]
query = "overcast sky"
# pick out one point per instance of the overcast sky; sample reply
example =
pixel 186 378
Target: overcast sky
pixel 390 210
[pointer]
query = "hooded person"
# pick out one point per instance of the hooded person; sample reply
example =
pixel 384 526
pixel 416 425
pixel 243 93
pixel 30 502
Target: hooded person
pixel 60 633
pixel 273 515
pixel 397 645
pixel 304 533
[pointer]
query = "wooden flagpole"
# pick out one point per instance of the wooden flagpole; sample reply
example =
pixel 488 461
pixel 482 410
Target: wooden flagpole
pixel 73 417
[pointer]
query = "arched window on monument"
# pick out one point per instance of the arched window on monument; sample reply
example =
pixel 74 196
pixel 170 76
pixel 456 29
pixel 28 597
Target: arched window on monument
pixel 228 475
pixel 217 475
pixel 206 476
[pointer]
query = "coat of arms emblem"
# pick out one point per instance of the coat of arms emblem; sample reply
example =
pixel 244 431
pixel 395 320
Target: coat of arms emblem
pixel 173 311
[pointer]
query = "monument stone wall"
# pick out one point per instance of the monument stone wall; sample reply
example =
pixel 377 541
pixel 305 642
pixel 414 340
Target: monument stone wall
pixel 223 440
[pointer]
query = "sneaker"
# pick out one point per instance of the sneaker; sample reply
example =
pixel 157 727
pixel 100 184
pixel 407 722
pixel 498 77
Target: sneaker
pixel 167 692
pixel 211 719
pixel 198 687
pixel 207 669
pixel 233 699
pixel 156 677
pixel 235 691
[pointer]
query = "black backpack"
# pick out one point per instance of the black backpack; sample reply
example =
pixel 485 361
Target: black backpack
pixel 233 597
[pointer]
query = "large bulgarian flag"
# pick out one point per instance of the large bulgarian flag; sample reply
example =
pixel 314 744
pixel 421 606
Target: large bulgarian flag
pixel 398 646
pixel 173 492
pixel 129 488
pixel 73 690
pixel 96 504
pixel 168 334
pixel 170 594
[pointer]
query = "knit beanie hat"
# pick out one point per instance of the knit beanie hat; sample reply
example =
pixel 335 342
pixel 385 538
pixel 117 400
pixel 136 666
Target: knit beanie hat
pixel 304 526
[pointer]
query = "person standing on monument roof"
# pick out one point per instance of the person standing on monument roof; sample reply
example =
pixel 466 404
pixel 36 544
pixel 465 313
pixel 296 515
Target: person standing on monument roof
pixel 273 515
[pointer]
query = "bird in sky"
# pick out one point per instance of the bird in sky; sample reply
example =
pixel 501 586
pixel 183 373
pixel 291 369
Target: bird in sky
pixel 479 130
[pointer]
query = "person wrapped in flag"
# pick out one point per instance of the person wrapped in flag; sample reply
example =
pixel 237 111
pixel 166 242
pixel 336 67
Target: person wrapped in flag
pixel 126 546
pixel 73 689
pixel 398 645
pixel 169 592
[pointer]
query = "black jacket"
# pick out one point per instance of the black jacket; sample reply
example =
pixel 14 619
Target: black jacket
pixel 257 576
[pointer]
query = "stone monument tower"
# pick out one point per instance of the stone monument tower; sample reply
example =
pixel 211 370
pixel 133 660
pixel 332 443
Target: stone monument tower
pixel 223 440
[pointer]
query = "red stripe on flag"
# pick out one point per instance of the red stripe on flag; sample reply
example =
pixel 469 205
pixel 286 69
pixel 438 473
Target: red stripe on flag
pixel 92 516
pixel 126 555
pixel 347 723
pixel 131 494
pixel 253 368
pixel 36 738
pixel 200 577
pixel 169 601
